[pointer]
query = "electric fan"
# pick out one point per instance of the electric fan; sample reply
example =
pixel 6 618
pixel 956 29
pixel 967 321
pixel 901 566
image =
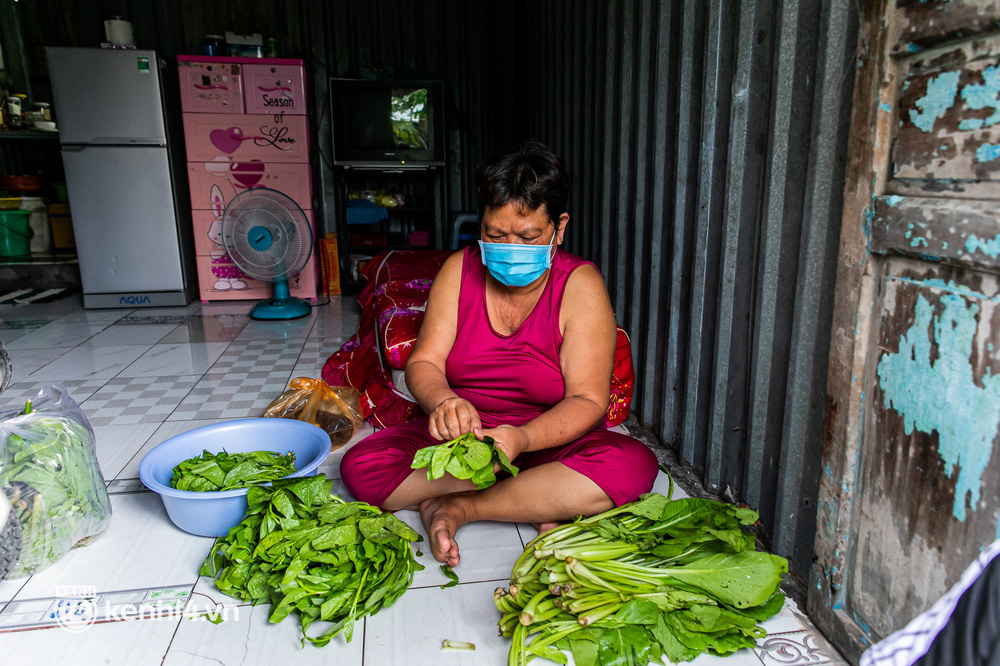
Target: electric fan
pixel 268 237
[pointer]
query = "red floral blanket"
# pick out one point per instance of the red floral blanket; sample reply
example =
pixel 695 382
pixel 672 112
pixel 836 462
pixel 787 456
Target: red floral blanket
pixel 392 309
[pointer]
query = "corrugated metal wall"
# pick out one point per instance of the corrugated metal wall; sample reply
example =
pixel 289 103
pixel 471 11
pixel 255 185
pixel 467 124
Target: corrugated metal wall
pixel 706 139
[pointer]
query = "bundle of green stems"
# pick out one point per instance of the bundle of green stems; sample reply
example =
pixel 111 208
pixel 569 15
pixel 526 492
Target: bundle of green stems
pixel 628 565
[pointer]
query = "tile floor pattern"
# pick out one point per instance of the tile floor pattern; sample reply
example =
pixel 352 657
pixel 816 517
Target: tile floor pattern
pixel 145 375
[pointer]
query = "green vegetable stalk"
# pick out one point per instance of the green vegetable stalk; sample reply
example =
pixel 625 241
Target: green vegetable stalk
pixel 228 471
pixel 310 553
pixel 647 580
pixel 464 457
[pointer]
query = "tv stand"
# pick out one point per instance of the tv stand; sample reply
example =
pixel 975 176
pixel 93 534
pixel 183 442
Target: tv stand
pixel 417 221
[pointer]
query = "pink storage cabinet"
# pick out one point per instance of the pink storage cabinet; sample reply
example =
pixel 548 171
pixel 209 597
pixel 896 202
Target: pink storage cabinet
pixel 208 86
pixel 274 88
pixel 219 180
pixel 229 151
pixel 268 138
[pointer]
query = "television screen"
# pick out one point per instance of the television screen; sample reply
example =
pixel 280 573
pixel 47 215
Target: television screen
pixel 389 118
pixel 385 121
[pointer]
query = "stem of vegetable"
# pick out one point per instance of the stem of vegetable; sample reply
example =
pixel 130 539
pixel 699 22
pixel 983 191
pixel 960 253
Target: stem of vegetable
pixel 528 613
pixel 509 622
pixel 599 613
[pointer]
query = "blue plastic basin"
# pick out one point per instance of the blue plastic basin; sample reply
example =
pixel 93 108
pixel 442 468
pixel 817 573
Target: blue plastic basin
pixel 213 513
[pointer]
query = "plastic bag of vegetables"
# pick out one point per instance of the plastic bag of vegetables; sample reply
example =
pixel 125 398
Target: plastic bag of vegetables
pixel 49 472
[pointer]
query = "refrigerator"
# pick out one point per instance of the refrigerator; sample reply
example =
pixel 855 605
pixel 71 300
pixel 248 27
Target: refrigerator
pixel 123 155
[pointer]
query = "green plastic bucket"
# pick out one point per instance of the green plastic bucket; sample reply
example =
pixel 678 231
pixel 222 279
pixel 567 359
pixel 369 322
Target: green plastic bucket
pixel 15 233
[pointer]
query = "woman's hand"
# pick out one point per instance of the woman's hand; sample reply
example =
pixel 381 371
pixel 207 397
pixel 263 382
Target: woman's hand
pixel 510 439
pixel 452 418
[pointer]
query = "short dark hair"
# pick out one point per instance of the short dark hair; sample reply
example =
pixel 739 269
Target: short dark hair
pixel 529 176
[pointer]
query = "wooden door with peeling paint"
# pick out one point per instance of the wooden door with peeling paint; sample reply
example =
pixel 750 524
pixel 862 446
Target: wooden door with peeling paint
pixel 910 491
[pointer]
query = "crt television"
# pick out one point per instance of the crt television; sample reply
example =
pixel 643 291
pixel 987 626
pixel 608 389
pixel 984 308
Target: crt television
pixel 380 124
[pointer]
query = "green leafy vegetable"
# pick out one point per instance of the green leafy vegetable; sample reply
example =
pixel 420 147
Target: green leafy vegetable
pixel 647 580
pixel 310 553
pixel 464 458
pixel 228 471
pixel 451 575
pixel 49 472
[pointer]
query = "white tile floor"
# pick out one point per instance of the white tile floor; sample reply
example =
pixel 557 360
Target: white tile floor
pixel 143 376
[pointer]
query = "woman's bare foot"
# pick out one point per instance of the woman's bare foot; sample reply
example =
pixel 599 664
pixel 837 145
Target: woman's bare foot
pixel 545 527
pixel 442 517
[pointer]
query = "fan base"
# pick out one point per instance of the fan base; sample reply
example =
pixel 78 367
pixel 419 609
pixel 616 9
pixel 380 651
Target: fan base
pixel 281 308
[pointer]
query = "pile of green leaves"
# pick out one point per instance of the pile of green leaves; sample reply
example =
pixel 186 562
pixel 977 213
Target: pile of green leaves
pixel 49 473
pixel 647 580
pixel 309 552
pixel 228 471
pixel 464 457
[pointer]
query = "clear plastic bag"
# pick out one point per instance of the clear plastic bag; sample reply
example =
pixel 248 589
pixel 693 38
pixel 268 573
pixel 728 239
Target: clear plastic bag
pixel 334 409
pixel 49 472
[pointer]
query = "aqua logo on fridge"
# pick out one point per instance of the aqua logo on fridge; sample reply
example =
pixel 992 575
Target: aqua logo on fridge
pixel 133 300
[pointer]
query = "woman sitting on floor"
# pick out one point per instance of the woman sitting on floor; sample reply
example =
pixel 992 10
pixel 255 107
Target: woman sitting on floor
pixel 517 344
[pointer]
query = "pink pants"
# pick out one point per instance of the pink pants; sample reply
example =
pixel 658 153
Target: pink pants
pixel 621 466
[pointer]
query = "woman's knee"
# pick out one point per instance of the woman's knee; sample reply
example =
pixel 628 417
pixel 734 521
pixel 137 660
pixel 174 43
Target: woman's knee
pixel 622 466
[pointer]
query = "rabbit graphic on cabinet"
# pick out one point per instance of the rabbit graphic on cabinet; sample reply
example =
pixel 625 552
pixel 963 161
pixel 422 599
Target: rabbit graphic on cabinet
pixel 228 275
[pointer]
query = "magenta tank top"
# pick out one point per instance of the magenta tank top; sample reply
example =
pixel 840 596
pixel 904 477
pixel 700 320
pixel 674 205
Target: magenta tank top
pixel 508 379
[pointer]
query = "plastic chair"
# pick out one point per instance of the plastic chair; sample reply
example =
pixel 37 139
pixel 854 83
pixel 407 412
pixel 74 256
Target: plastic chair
pixel 460 219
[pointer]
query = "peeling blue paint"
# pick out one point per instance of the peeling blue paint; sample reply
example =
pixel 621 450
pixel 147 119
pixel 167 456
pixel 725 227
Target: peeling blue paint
pixel 929 257
pixel 988 152
pixel 989 247
pixel 951 286
pixel 861 623
pixel 869 217
pixel 912 48
pixel 918 241
pixel 984 95
pixel 913 385
pixel 944 245
pixel 894 200
pixel 885 107
pixel 940 97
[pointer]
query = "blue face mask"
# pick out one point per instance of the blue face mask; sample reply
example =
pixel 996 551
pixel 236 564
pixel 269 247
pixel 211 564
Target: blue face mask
pixel 516 264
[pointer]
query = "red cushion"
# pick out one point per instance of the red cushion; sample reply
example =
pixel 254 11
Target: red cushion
pixel 622 381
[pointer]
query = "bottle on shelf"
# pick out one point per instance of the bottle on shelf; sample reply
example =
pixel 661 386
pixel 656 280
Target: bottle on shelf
pixel 271 44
